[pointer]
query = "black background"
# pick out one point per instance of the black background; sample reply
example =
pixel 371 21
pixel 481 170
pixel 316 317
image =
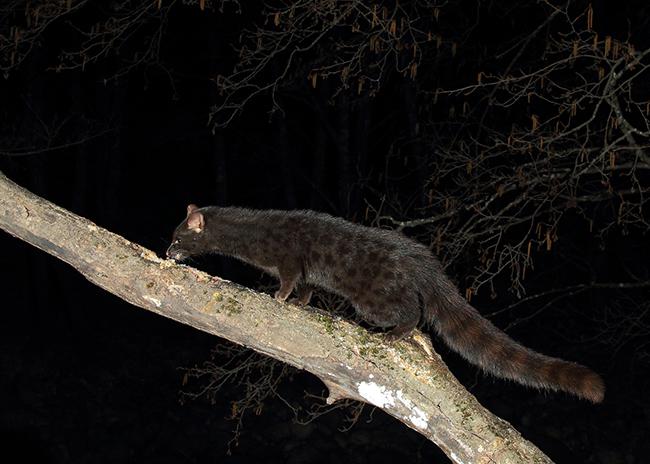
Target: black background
pixel 88 378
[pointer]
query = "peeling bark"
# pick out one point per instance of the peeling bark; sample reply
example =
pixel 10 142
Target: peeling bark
pixel 408 379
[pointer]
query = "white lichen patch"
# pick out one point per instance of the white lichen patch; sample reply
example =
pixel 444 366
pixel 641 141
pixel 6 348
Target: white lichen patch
pixel 405 401
pixel 376 394
pixel 455 458
pixel 153 300
pixel 383 397
pixel 92 227
pixel 417 417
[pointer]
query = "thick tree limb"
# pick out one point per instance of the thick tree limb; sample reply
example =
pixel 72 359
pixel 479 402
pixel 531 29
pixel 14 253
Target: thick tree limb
pixel 406 380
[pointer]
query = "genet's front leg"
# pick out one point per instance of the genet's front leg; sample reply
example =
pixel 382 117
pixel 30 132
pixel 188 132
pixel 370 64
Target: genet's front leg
pixel 289 274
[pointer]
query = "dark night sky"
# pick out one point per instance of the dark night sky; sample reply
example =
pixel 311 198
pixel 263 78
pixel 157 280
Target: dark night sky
pixel 87 377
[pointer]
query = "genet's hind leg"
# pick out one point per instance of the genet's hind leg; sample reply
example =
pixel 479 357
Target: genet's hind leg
pixel 404 327
pixel 402 315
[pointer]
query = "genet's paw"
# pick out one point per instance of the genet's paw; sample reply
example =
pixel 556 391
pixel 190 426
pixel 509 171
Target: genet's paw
pixel 397 334
pixel 281 298
pixel 391 338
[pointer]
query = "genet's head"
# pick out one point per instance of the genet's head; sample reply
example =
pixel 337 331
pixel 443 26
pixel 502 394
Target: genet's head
pixel 189 238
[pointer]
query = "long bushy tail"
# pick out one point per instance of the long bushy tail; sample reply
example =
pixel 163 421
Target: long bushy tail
pixel 483 344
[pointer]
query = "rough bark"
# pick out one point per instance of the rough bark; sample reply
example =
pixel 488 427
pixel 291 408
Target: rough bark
pixel 407 380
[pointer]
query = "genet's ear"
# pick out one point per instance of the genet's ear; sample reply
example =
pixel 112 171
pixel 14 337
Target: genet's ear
pixel 195 221
pixel 191 208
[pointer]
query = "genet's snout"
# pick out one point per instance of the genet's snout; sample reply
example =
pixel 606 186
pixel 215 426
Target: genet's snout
pixel 174 253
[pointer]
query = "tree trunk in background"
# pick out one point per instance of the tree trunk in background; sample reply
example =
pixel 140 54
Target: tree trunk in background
pixel 415 148
pixel 361 138
pixel 286 161
pixel 320 155
pixel 110 196
pixel 220 166
pixel 344 163
pixel 218 143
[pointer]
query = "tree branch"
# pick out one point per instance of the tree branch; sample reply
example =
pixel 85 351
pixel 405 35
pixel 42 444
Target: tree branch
pixel 407 380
